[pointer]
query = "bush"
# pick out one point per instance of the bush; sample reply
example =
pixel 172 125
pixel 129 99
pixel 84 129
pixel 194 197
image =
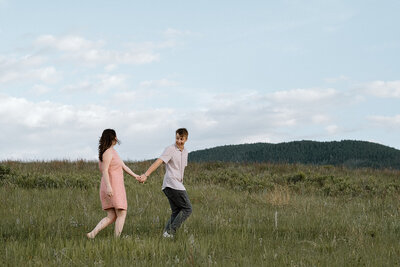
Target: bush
pixel 4 171
pixel 39 180
pixel 47 181
pixel 296 178
pixel 250 177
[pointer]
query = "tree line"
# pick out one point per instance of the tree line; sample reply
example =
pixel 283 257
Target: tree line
pixel 349 153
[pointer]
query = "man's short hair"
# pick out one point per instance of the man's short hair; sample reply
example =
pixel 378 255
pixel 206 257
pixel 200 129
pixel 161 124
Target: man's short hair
pixel 182 132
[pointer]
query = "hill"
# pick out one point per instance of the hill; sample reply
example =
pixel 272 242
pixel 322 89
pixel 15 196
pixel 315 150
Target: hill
pixel 347 152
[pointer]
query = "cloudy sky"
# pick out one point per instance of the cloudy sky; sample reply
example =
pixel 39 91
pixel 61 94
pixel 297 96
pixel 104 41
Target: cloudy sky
pixel 230 71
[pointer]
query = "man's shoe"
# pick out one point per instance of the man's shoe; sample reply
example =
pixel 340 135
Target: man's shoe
pixel 167 235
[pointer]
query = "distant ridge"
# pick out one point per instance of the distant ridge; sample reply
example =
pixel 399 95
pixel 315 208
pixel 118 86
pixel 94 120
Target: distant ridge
pixel 347 152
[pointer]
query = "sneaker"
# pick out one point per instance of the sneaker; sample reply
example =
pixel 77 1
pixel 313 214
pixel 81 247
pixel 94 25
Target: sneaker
pixel 167 235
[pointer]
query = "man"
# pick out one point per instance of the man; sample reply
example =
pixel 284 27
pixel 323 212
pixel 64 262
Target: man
pixel 175 158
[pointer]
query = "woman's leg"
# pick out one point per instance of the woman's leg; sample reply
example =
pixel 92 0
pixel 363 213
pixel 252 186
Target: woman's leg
pixel 111 217
pixel 119 223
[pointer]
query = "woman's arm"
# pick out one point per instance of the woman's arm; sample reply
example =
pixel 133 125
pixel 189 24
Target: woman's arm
pixel 107 157
pixel 129 171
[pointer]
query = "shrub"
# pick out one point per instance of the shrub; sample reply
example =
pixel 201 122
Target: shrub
pixel 296 178
pixel 4 170
pixel 250 177
pixel 38 180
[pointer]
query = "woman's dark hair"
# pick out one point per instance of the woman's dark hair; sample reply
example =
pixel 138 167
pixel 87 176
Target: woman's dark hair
pixel 106 141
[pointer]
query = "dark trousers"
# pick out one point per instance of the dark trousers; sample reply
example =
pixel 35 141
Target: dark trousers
pixel 180 207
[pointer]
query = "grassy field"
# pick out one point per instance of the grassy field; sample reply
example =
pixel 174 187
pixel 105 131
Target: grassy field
pixel 243 215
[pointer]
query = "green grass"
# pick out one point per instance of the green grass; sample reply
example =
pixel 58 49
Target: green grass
pixel 326 216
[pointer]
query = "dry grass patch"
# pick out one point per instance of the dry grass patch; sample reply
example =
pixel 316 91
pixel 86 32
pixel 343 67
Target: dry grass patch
pixel 279 196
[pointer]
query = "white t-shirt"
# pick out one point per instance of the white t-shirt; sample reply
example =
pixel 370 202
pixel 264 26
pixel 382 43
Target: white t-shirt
pixel 175 163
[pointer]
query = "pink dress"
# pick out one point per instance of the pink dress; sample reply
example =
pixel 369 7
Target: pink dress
pixel 116 175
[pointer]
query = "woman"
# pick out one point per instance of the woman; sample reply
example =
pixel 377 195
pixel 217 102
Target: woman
pixel 112 189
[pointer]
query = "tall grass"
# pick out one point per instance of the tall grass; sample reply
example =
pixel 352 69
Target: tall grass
pixel 243 214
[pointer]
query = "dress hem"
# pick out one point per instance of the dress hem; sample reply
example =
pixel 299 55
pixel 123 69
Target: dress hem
pixel 117 208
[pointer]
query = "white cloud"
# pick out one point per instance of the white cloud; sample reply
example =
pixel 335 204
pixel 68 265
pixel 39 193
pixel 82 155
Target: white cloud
pixel 134 96
pixel 388 122
pixel 26 68
pixel 98 83
pixel 320 118
pixel 228 118
pixel 112 81
pixel 257 138
pixel 108 57
pixel 332 129
pixel 70 43
pixel 110 67
pixel 40 89
pixel 93 52
pixel 303 95
pixel 47 130
pixel 20 62
pixel 175 37
pixel 9 76
pixel 46 74
pixel 340 78
pixel 25 113
pixel 389 89
pixel 158 83
pixel 260 117
pixel 146 90
pixel 127 97
pixel 81 86
pixel 173 33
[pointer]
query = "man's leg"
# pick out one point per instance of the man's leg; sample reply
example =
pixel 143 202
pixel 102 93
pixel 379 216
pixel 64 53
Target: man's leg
pixel 180 199
pixel 174 208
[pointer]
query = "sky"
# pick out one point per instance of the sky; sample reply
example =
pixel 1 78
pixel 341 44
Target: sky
pixel 231 72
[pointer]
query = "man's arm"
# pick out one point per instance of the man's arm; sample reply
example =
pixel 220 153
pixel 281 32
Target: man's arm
pixel 150 170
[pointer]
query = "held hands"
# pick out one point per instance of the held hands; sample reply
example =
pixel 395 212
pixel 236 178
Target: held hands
pixel 142 178
pixel 138 178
